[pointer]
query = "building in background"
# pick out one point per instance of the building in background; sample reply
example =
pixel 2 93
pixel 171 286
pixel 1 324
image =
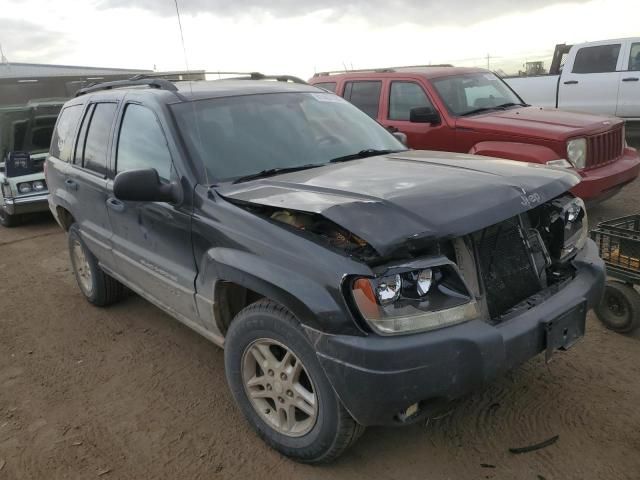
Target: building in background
pixel 23 82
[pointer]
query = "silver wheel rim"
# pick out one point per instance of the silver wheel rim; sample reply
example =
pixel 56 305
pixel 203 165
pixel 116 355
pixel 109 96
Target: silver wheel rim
pixel 279 387
pixel 82 268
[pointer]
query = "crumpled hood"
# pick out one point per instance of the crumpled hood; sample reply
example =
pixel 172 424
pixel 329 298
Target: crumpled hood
pixel 540 122
pixel 392 199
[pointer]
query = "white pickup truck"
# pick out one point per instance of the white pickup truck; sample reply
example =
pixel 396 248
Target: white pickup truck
pixel 596 77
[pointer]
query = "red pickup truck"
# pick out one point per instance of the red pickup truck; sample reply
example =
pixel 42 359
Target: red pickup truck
pixel 471 110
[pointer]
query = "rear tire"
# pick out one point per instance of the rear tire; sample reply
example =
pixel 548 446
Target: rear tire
pixel 98 288
pixel 619 309
pixel 7 220
pixel 264 348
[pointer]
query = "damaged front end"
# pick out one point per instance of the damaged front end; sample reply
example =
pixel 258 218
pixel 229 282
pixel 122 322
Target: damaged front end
pixel 493 274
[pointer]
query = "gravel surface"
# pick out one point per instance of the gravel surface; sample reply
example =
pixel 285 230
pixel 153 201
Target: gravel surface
pixel 128 393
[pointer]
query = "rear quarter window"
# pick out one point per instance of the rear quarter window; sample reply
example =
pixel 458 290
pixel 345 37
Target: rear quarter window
pixel 62 140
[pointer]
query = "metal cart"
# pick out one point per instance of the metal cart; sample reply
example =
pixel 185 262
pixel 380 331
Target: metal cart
pixel 619 243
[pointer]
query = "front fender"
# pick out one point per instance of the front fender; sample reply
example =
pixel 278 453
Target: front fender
pixel 316 303
pixel 523 152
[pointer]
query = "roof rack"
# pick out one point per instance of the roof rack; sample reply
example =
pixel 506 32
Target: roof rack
pixel 164 81
pixel 379 70
pixel 176 76
pixel 158 83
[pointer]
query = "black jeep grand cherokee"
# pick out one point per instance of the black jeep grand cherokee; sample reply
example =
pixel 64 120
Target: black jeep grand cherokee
pixel 352 282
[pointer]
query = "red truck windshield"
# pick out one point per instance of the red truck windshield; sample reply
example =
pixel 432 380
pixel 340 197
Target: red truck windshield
pixel 474 92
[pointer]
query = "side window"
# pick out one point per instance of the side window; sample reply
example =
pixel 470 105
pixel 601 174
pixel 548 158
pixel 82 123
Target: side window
pixel 97 141
pixel 634 58
pixel 142 143
pixel 403 97
pixel 598 59
pixel 62 141
pixel 365 95
pixel 331 86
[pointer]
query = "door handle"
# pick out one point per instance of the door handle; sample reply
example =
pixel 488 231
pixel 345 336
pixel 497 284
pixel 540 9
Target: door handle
pixel 630 79
pixel 571 82
pixel 115 205
pixel 392 129
pixel 71 184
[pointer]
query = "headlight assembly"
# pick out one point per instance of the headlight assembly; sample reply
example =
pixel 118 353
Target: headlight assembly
pixel 414 300
pixel 576 227
pixel 577 152
pixel 38 186
pixel 25 187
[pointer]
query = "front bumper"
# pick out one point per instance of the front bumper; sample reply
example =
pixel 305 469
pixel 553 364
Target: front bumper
pixel 27 204
pixel 378 377
pixel 602 182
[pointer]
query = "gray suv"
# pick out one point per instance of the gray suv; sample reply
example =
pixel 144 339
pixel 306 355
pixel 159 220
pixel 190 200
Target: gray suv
pixel 352 282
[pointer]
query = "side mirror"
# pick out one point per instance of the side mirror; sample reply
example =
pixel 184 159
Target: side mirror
pixel 424 115
pixel 144 186
pixel 402 137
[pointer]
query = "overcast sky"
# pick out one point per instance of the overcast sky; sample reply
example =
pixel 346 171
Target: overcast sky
pixel 303 36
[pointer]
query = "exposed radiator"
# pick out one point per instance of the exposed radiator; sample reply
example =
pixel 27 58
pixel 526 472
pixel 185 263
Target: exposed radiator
pixel 506 267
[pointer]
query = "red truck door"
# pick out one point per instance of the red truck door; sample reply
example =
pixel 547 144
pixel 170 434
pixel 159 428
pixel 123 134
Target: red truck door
pixel 400 97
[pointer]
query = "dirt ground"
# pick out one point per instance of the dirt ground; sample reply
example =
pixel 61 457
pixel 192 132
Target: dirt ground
pixel 128 393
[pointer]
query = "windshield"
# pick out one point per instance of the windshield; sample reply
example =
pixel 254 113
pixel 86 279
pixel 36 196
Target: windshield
pixel 240 136
pixel 464 94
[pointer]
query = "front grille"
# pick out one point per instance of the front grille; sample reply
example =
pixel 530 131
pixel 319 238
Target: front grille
pixel 505 265
pixel 605 147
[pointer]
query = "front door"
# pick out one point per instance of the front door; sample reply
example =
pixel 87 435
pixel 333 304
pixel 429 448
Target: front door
pixel 151 240
pixel 403 96
pixel 592 85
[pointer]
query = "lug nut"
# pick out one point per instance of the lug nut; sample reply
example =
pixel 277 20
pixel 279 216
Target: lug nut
pixel 281 400
pixel 270 372
pixel 267 411
pixel 289 393
pixel 269 387
pixel 283 376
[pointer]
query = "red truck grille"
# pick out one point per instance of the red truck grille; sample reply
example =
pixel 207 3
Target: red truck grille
pixel 605 147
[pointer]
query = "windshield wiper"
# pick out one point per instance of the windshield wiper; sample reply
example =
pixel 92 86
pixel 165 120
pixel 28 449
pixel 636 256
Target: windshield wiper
pixel 512 104
pixel 497 107
pixel 370 152
pixel 269 172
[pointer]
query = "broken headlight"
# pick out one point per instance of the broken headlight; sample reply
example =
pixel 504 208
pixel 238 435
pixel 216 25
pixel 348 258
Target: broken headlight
pixel 413 300
pixel 568 227
pixel 576 228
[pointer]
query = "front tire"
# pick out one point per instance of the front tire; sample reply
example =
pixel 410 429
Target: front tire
pixel 98 288
pixel 7 220
pixel 278 383
pixel 619 309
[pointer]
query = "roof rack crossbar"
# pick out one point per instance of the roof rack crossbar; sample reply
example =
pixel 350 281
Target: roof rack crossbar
pixel 158 83
pixel 379 70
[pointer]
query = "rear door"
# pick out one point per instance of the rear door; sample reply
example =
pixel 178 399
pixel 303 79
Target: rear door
pixel 629 93
pixel 151 240
pixel 593 82
pixel 86 182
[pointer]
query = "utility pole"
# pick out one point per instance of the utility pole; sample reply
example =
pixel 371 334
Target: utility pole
pixel 488 61
pixel 3 59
